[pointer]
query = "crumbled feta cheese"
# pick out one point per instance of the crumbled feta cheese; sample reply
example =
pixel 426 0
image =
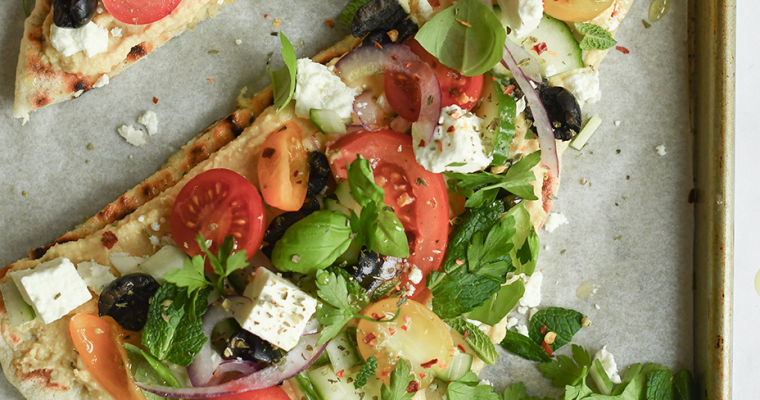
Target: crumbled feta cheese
pixel 553 221
pixel 279 311
pixel 155 240
pixel 597 306
pixel 511 321
pixel 424 10
pixel 522 309
pixel 102 81
pixel 238 42
pixel 319 88
pixel 532 296
pixel 53 288
pixel 150 121
pixel 522 329
pixel 91 38
pixel 523 16
pixel 532 312
pixel 157 227
pixel 165 260
pixel 125 263
pixel 456 140
pixel 141 219
pixel 661 150
pixel 116 32
pixel 415 275
pixel 617 123
pixel 584 84
pixel 520 106
pixel 133 136
pixel 608 363
pixel 550 70
pixel 95 275
pixel 220 2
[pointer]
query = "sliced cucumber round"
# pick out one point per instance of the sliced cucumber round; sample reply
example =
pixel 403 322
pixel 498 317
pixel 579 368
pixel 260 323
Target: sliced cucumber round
pixel 327 121
pixel 562 52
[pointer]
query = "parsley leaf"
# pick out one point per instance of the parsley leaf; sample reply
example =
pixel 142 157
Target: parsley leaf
pixel 517 180
pixel 594 36
pixel 478 341
pixel 517 391
pixel 524 347
pixel 368 370
pixel 313 243
pixel 333 290
pixel 173 330
pixel 467 388
pixel 466 37
pixel 284 79
pixel 400 379
pixel 348 13
pixel 563 371
pixel 565 323
pixel 526 243
pixel 227 262
pixel 191 276
pixel 682 385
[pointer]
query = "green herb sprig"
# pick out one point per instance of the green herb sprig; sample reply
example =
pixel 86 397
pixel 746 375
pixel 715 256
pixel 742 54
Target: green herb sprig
pixel 284 79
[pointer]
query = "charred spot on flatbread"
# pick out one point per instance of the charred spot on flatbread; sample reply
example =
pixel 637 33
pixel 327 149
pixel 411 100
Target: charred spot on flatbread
pixel 37 253
pixel 44 377
pixel 35 36
pixel 41 99
pixel 139 51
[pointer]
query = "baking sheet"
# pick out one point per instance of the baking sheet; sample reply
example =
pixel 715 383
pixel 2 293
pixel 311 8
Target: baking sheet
pixel 630 224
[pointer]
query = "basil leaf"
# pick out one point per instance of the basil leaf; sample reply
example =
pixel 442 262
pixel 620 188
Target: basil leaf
pixel 362 183
pixel 565 323
pixel 313 243
pixel 466 37
pixel 524 347
pixel 594 36
pixel 500 304
pixel 478 341
pixel 384 233
pixel 284 79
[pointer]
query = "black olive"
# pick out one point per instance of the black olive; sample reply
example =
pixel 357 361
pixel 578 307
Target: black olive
pixel 370 266
pixel 247 346
pixel 127 300
pixel 379 37
pixel 282 222
pixel 319 173
pixel 563 110
pixel 405 28
pixel 377 15
pixel 73 13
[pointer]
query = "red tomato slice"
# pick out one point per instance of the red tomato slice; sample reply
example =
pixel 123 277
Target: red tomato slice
pixel 456 88
pixel 218 203
pixel 283 168
pixel 272 393
pixel 140 12
pixel 97 344
pixel 417 195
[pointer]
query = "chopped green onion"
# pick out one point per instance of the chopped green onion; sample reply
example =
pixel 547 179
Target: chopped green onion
pixel 591 126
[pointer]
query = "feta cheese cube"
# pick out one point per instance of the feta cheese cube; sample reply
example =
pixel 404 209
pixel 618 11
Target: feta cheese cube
pixel 608 363
pixel 456 146
pixel 415 275
pixel 53 288
pixel 91 38
pixel 317 87
pixel 95 275
pixel 582 82
pixel 125 263
pixel 150 121
pixel 279 311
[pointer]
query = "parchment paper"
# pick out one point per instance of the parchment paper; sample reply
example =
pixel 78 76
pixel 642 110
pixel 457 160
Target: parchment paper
pixel 630 225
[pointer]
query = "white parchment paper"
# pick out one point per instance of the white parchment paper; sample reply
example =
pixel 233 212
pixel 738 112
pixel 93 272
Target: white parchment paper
pixel 630 225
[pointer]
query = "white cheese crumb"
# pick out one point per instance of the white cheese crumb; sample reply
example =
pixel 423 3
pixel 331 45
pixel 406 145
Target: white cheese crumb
pixel 550 70
pixel 522 329
pixel 157 227
pixel 617 123
pixel 520 106
pixel 608 363
pixel 511 321
pixel 532 312
pixel 133 136
pixel 91 38
pixel 102 81
pixel 522 309
pixel 415 275
pixel 317 87
pixel 220 2
pixel 546 247
pixel 95 275
pixel 523 16
pixel 553 221
pixel 141 219
pixel 116 32
pixel 155 240
pixel 238 42
pixel 597 306
pixel 661 150
pixel 584 84
pixel 100 10
pixel 150 121
pixel 457 140
pixel 532 296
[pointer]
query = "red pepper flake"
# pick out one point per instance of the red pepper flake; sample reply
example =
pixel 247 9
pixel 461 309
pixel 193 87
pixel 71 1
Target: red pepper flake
pixel 404 328
pixel 429 364
pixel 109 239
pixel 493 78
pixel 552 53
pixel 339 374
pixel 540 48
pixel 459 346
pixel 509 89
pixel 385 373
pixel 459 262
pixel 547 349
pixel 451 129
pixel 210 80
pixel 329 22
pixel 397 288
pixel 422 376
pixel 543 329
pixel 155 100
pixel 463 23
pixel 440 147
pixel 422 143
pixel 369 339
pixel 266 15
pixel 378 45
pixel 466 334
pixel 392 331
pixel 413 387
pixel 376 317
pixel 622 49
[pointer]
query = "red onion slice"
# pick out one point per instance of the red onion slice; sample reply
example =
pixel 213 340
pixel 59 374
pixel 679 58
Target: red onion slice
pixel 540 116
pixel 297 360
pixel 397 58
pixel 240 367
pixel 530 68
pixel 370 114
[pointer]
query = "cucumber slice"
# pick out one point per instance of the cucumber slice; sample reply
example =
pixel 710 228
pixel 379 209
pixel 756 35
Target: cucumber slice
pixel 342 353
pixel 563 52
pixel 19 312
pixel 498 111
pixel 585 134
pixel 327 121
pixel 165 260
pixel 460 365
pixel 329 386
pixel 334 205
pixel 600 377
pixel 302 387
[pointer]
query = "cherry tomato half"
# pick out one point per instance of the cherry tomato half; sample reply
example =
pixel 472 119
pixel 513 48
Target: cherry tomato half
pixel 140 12
pixel 403 93
pixel 283 168
pixel 218 203
pixel 417 195
pixel 102 352
pixel 272 393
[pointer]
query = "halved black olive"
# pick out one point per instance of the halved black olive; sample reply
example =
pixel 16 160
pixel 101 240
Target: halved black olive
pixel 247 346
pixel 73 13
pixel 370 266
pixel 405 28
pixel 377 15
pixel 127 300
pixel 379 37
pixel 563 109
pixel 319 173
pixel 282 222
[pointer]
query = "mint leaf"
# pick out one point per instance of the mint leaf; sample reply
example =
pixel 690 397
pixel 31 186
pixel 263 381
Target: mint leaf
pixel 478 341
pixel 313 243
pixel 400 379
pixel 368 370
pixel 466 37
pixel 500 304
pixel 565 323
pixel 683 386
pixel 348 13
pixel 524 347
pixel 284 79
pixel 594 37
pixel 362 183
pixel 564 371
pixel 659 385
pixel 634 381
pixel 190 277
pixel 173 330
